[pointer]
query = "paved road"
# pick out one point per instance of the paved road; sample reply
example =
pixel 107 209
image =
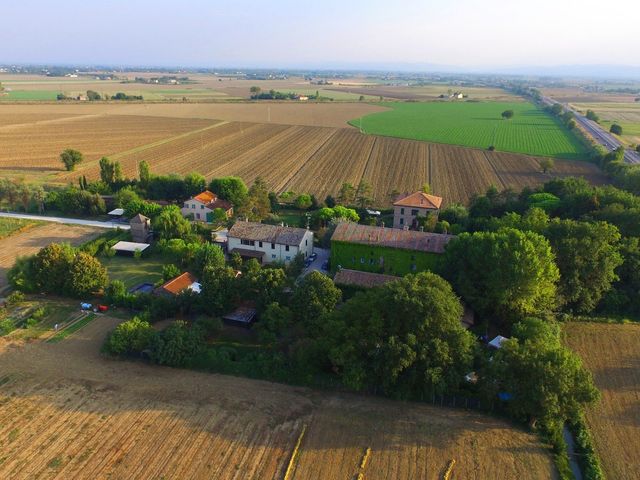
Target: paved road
pixel 70 221
pixel 323 255
pixel 604 138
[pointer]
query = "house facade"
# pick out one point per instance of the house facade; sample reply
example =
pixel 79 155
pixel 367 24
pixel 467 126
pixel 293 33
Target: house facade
pixel 141 229
pixel 201 207
pixel 386 250
pixel 406 210
pixel 269 243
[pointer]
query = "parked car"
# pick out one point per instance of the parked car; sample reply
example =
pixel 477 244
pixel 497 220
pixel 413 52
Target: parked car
pixel 307 263
pixel 313 257
pixel 325 265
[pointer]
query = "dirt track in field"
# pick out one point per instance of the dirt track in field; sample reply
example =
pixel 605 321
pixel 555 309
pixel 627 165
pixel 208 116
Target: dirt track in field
pixel 68 413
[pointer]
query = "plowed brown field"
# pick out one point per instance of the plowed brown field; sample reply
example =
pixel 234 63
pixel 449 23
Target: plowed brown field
pixel 66 412
pixel 306 159
pixel 612 353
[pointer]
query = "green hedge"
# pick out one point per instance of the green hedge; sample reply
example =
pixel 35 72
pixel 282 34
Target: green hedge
pixel 588 458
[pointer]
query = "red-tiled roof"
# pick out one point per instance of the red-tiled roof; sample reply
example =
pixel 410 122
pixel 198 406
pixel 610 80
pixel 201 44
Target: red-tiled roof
pixel 391 237
pixel 178 284
pixel 419 200
pixel 362 279
pixel 206 197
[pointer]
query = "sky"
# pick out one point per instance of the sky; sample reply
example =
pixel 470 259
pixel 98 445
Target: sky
pixel 474 34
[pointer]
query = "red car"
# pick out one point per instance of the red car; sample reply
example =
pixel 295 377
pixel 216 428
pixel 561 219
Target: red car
pixel 102 308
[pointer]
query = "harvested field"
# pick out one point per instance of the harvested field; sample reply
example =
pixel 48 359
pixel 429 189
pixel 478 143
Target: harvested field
pixel 29 117
pixel 524 171
pixel 342 159
pixel 33 239
pixel 284 113
pixel 397 165
pixel 101 418
pixel 612 353
pixel 316 160
pixel 36 148
pixel 457 173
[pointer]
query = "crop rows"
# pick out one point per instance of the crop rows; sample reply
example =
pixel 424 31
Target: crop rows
pixel 37 147
pixel 397 165
pixel 342 159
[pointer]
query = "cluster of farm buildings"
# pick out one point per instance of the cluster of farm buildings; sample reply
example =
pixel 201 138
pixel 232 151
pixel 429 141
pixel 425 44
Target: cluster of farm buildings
pixel 360 255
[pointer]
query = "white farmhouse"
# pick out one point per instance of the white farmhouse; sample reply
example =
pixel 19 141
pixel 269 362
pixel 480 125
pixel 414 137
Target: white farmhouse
pixel 269 243
pixel 201 207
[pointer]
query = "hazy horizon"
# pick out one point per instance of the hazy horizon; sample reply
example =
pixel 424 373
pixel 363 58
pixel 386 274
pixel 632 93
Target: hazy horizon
pixel 463 35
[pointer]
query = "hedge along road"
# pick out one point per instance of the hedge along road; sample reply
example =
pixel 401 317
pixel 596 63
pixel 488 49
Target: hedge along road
pixel 69 221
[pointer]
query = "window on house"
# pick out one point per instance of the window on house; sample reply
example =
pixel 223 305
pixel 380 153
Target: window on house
pixel 414 212
pixel 273 255
pixel 198 216
pixel 353 259
pixel 193 206
pixel 402 221
pixel 381 261
pixel 273 246
pixel 306 242
pixel 402 211
pixel 288 258
pixel 247 242
pixel 371 261
pixel 201 207
pixel 361 259
pixel 260 243
pixel 413 267
pixel 287 248
pixel 186 205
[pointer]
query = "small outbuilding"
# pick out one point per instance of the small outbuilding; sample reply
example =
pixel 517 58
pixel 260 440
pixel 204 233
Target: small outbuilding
pixel 130 248
pixel 141 228
pixel 243 316
pixel 177 285
pixel 498 341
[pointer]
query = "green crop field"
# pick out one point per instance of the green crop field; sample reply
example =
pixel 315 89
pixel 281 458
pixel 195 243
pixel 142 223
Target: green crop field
pixel 34 95
pixel 476 124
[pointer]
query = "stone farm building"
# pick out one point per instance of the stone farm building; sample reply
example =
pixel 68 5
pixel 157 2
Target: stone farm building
pixel 385 250
pixel 201 207
pixel 406 210
pixel 269 243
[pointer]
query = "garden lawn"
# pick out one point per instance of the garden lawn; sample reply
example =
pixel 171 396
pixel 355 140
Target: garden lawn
pixel 134 271
pixel 476 124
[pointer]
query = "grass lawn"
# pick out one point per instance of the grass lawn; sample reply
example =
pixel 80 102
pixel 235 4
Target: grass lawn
pixel 134 271
pixel 9 226
pixel 476 124
pixel 291 217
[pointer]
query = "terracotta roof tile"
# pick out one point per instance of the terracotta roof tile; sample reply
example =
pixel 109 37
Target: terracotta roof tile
pixel 261 232
pixel 419 200
pixel 391 237
pixel 178 284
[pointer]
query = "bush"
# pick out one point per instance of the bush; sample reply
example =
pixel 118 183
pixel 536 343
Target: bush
pixel 130 337
pixel 615 129
pixel 15 298
pixel 177 345
pixel 6 326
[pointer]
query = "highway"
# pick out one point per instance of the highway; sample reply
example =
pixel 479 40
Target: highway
pixel 604 138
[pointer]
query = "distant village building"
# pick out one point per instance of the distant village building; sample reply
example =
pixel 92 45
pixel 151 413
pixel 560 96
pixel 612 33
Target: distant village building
pixel 269 243
pixel 141 229
pixel 177 285
pixel 406 210
pixel 201 207
pixel 386 250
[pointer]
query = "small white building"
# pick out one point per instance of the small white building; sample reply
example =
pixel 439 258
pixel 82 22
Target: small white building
pixel 201 207
pixel 269 243
pixel 407 209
